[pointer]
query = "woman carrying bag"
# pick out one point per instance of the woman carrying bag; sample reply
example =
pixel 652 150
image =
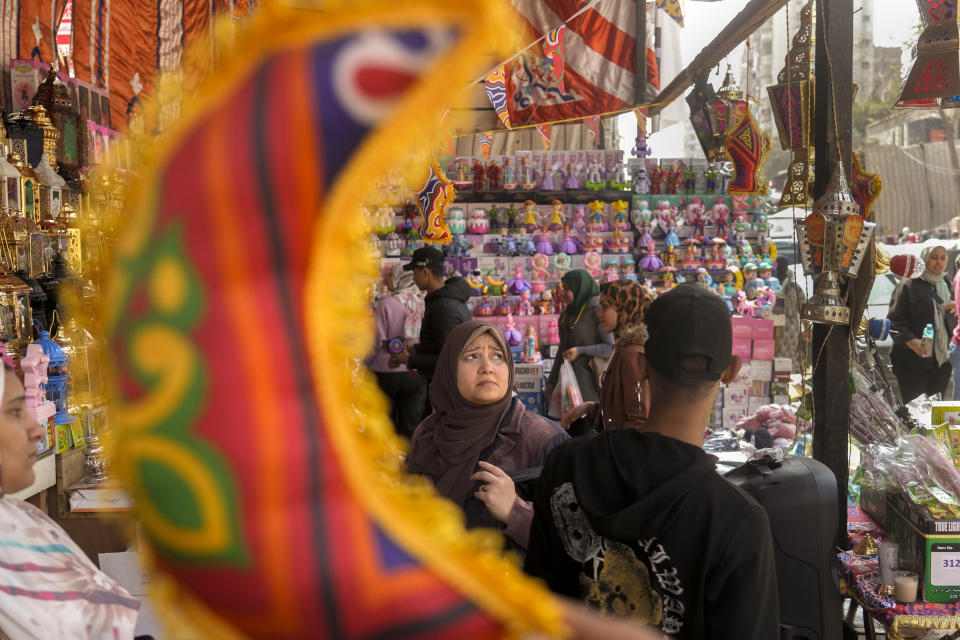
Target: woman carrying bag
pixel 581 338
pixel 919 302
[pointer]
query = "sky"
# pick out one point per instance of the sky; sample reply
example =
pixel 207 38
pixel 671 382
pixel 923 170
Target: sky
pixel 893 26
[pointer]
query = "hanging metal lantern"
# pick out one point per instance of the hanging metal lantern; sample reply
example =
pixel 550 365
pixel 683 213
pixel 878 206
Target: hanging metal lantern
pixel 728 108
pixel 701 101
pixel 15 315
pixel 833 242
pixel 935 67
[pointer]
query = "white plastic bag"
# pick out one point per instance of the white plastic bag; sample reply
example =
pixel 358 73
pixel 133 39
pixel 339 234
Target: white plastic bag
pixel 568 389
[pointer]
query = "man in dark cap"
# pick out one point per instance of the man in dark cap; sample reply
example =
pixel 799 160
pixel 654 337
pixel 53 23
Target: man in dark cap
pixel 637 522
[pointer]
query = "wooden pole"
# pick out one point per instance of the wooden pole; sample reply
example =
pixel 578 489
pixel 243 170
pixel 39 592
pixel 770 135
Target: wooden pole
pixel 831 343
pixel 746 22
pixel 640 54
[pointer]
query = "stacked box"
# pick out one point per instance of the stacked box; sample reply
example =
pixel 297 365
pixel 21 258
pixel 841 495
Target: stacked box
pixel 736 398
pixel 929 546
pixel 528 378
pixel 532 401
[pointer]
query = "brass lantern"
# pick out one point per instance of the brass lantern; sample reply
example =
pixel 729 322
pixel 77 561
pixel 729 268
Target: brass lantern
pixel 728 109
pixel 15 317
pixel 51 137
pixel 833 242
pixel 935 67
pixel 52 187
pixel 29 188
pixel 86 376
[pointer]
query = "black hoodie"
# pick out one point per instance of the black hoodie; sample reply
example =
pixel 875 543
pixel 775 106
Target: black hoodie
pixel 443 310
pixel 641 524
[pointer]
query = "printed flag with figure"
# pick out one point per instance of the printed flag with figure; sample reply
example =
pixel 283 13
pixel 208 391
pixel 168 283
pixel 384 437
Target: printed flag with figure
pixel 486 142
pixel 592 125
pixel 432 201
pixel 598 58
pixel 258 458
pixel 544 130
pixel 553 50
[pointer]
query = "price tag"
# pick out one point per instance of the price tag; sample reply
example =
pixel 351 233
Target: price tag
pixel 945 565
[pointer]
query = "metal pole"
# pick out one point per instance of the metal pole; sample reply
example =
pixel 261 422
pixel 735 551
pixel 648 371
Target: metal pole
pixel 831 344
pixel 640 55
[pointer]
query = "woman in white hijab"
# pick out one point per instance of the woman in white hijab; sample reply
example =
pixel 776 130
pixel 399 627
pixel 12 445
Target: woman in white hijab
pixel 919 302
pixel 48 586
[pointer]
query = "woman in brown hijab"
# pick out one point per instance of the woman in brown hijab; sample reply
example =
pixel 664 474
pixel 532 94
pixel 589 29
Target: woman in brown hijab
pixel 479 432
pixel 624 394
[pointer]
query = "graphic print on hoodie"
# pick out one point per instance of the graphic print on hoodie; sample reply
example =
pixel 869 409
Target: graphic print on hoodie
pixel 641 525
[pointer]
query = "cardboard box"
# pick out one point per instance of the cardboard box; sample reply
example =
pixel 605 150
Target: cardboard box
pixel 928 546
pixel 744 376
pixel 742 327
pixel 527 370
pixel 755 402
pixel 732 416
pixel 735 397
pixel 781 369
pixel 946 411
pixel 764 349
pixel 762 329
pixel 742 348
pixel 762 370
pixel 760 388
pixel 528 385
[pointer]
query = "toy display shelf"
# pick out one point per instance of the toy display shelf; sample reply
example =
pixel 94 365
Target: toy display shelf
pixel 566 196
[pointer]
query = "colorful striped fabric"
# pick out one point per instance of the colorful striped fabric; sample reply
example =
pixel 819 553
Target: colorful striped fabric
pixel 486 142
pixel 37 37
pixel 496 88
pixel 265 470
pixel 432 201
pixel 599 61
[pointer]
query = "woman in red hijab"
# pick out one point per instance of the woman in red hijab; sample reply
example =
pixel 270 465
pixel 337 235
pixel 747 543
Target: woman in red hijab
pixel 480 432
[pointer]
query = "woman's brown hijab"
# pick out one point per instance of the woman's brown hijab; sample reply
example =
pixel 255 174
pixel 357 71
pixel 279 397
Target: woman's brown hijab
pixel 447 445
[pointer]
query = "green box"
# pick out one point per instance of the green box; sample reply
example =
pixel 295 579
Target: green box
pixel 928 546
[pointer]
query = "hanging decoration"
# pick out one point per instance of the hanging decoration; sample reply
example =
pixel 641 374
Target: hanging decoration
pixel 486 141
pixel 544 131
pixel 288 471
pixel 729 106
pixel 935 68
pixel 865 187
pixel 747 148
pixel 554 51
pixel 833 241
pixel 673 8
pixel 701 102
pixel 496 87
pixel 792 102
pixel 432 201
pixel 593 127
pixel 640 147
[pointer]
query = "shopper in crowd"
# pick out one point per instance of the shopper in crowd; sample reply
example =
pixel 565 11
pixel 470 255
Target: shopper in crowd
pixel 917 302
pixel 624 393
pixel 48 586
pixel 444 308
pixel 398 316
pixel 581 338
pixel 638 522
pixel 480 432
pixel 954 354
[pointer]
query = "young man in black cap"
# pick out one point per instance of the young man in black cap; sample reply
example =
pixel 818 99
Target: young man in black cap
pixel 638 522
pixel 444 308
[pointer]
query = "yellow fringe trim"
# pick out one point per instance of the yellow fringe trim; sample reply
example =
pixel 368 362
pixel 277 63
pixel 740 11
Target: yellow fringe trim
pixel 338 328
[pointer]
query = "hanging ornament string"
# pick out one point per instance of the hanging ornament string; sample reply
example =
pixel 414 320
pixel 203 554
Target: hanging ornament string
pixel 833 92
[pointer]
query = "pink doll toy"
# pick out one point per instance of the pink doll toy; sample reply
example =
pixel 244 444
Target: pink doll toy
pixel 544 245
pixel 525 176
pixel 645 238
pixel 524 306
pixel 578 224
pixel 511 334
pixel 546 178
pixel 620 219
pixel 779 423
pixel 597 222
pixel 663 215
pixel 592 262
pixel 570 178
pixel 741 202
pixel 570 245
pixel 509 175
pixel 531 219
pixel 719 214
pixel 651 261
pixel 531 346
pixel 611 271
pixel 556 216
pixel 553 332
pixel 541 266
pixel 518 284
pixel 34 365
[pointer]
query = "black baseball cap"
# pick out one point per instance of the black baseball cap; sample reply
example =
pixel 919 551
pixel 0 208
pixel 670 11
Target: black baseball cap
pixel 689 321
pixel 429 257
